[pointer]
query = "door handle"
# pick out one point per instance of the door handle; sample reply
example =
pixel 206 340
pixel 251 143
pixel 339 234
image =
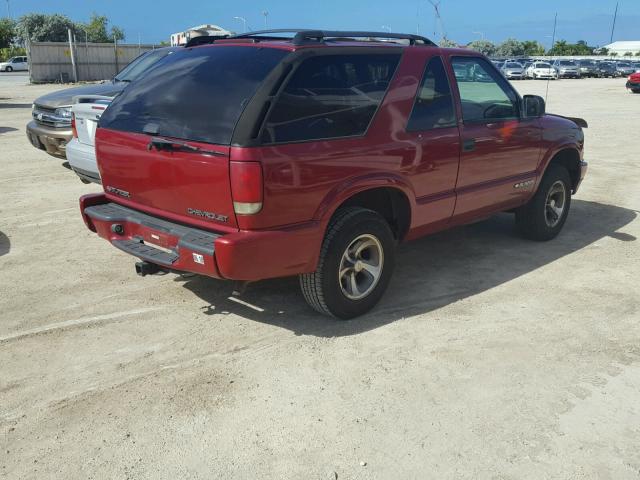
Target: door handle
pixel 469 145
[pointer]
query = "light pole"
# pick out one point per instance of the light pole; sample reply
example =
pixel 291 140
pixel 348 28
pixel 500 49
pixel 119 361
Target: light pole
pixel 266 14
pixel 8 9
pixel 244 22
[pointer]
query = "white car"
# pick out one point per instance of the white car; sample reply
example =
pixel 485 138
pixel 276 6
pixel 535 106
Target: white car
pixel 14 64
pixel 541 70
pixel 81 153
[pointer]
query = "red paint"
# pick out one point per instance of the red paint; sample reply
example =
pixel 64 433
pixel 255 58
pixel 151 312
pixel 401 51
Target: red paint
pixel 302 184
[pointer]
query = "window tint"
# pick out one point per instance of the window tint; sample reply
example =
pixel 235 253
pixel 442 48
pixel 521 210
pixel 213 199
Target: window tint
pixel 330 96
pixel 193 94
pixel 433 107
pixel 484 93
pixel 141 64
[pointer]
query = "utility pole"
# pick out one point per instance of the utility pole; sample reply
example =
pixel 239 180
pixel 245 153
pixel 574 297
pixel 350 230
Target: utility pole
pixel 265 13
pixel 613 26
pixel 8 9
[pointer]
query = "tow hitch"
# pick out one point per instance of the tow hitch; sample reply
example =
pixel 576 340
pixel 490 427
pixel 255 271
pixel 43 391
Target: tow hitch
pixel 147 268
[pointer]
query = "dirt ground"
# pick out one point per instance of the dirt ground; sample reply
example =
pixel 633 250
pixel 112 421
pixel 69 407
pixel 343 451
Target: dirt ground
pixel 490 357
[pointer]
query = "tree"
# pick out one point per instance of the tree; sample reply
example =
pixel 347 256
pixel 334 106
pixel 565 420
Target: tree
pixel 96 30
pixel 483 46
pixel 510 48
pixel 532 48
pixel 446 43
pixel 39 27
pixel 559 48
pixel 7 32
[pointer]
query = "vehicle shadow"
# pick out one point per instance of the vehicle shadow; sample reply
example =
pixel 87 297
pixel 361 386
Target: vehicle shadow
pixel 5 244
pixel 7 129
pixel 430 273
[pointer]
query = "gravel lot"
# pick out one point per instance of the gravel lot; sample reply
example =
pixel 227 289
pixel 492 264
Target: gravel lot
pixel 490 357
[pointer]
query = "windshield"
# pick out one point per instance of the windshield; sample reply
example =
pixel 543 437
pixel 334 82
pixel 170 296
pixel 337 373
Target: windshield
pixel 141 64
pixel 194 94
pixel 542 65
pixel 513 65
pixel 567 63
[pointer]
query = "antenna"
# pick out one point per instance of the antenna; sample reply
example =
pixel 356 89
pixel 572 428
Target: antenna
pixel 553 41
pixel 436 7
pixel 613 26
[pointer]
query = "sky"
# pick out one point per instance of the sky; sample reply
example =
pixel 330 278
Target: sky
pixel 463 20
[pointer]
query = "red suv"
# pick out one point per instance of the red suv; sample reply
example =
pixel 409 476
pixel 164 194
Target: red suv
pixel 314 153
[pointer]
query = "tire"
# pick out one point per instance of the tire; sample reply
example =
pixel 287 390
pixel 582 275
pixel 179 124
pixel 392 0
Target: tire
pixel 329 293
pixel 8 69
pixel 539 219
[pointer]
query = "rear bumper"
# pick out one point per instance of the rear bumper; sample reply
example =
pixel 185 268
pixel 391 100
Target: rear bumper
pixel 82 159
pixel 51 140
pixel 245 255
pixel 633 85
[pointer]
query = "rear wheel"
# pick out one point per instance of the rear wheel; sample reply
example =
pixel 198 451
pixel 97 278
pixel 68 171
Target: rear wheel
pixel 356 262
pixel 544 216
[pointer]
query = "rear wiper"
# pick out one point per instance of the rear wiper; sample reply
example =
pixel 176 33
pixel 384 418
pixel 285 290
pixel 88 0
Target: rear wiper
pixel 160 143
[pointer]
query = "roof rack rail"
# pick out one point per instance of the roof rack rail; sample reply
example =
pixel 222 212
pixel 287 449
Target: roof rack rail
pixel 204 40
pixel 303 36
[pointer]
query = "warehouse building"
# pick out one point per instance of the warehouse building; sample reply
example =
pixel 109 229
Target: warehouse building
pixel 623 48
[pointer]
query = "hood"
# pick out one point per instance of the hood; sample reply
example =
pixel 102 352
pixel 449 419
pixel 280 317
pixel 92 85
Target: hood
pixel 64 97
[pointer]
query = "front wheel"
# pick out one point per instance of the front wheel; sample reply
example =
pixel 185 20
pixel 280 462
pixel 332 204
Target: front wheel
pixel 8 69
pixel 356 261
pixel 544 215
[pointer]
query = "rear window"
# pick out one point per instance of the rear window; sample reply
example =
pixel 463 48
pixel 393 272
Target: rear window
pixel 330 96
pixel 194 94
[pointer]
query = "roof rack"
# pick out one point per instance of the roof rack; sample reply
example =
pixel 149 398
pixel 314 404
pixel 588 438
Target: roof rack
pixel 303 36
pixel 204 40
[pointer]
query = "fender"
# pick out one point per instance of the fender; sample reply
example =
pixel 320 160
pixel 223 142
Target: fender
pixel 354 185
pixel 548 155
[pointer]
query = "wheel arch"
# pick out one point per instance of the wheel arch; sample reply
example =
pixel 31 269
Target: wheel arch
pixel 391 197
pixel 569 157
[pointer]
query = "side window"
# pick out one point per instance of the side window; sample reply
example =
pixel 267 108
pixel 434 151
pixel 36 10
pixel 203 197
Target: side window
pixel 330 96
pixel 484 93
pixel 433 107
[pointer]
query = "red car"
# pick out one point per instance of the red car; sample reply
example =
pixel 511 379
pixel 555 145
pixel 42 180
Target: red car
pixel 633 83
pixel 315 153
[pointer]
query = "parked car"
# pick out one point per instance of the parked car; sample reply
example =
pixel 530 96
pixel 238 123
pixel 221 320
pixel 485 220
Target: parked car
pixel 633 83
pixel 17 64
pixel 86 111
pixel 541 70
pixel 588 68
pixel 315 154
pixel 566 68
pixel 50 128
pixel 636 66
pixel 512 71
pixel 624 69
pixel 607 69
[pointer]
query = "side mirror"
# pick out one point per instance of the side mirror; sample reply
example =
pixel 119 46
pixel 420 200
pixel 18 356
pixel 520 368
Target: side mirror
pixel 532 106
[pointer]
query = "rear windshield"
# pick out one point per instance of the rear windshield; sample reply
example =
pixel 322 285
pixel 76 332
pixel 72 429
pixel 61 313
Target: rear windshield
pixel 193 94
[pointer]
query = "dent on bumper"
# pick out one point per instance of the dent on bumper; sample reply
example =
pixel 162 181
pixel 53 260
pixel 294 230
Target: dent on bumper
pixel 245 255
pixel 51 140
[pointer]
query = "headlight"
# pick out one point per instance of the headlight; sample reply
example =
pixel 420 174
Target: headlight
pixel 64 112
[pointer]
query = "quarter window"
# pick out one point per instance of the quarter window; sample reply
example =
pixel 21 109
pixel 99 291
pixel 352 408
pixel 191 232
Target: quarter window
pixel 330 96
pixel 433 107
pixel 484 93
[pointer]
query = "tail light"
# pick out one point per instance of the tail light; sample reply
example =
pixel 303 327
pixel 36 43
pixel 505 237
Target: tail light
pixel 73 125
pixel 246 187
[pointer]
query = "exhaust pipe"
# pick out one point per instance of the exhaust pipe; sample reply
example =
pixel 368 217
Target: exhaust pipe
pixel 146 268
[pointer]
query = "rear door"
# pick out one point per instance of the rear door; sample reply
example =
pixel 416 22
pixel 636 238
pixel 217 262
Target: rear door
pixel 192 100
pixel 499 150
